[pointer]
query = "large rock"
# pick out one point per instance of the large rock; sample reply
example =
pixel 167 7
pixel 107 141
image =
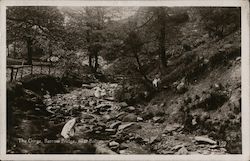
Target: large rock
pixel 123 104
pixel 182 151
pixel 115 124
pixel 113 144
pixel 130 108
pixel 172 127
pixel 130 118
pixel 201 139
pixel 123 126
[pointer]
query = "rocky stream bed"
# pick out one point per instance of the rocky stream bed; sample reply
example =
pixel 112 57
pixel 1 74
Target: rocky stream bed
pixel 85 121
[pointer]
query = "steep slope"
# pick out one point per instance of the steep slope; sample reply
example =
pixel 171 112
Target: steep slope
pixel 203 89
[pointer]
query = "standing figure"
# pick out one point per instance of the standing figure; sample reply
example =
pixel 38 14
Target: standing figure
pixel 156 81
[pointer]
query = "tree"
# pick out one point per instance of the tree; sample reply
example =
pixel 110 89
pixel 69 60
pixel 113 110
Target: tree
pixel 33 24
pixel 88 25
pixel 220 21
pixel 160 27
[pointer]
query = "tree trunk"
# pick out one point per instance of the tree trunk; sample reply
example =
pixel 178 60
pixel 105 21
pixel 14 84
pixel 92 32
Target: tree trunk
pixel 90 60
pixel 162 37
pixel 89 49
pixel 29 48
pixel 50 55
pixel 96 61
pixel 147 80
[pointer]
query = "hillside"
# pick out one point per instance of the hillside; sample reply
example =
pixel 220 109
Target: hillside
pixel 210 102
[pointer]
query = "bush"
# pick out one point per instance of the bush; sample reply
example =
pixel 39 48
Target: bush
pixel 220 22
pixel 131 92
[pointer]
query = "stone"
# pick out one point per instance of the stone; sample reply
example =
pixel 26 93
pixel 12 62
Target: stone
pixel 110 130
pixel 131 108
pixel 113 144
pixel 122 152
pixel 103 150
pixel 139 119
pixel 123 104
pixel 214 146
pixel 158 119
pixel 130 118
pixel 123 146
pixel 97 92
pixel 103 106
pixel 171 127
pixel 110 98
pixel 146 140
pixel 106 118
pixel 87 86
pixel 121 127
pixel 115 124
pixel 153 139
pixel 92 103
pixel 176 147
pixel 182 151
pixel 120 116
pixel 97 132
pixel 201 139
pixel 66 131
pixel 217 86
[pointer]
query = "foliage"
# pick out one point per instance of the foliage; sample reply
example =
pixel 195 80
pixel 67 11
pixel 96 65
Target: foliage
pixel 38 26
pixel 220 21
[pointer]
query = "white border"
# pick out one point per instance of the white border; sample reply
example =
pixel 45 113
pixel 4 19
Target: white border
pixel 245 79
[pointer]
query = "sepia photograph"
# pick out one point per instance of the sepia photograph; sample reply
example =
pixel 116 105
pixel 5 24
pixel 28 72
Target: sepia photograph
pixel 162 80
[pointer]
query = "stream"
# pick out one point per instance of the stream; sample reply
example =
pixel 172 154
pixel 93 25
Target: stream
pixel 101 126
pixel 38 130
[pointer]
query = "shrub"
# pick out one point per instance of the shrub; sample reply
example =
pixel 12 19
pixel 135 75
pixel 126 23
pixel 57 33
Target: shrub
pixel 220 22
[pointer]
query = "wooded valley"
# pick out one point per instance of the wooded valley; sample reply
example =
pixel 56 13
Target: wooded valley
pixel 123 80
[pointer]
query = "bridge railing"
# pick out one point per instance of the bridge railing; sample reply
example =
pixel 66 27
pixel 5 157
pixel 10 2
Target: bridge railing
pixel 15 72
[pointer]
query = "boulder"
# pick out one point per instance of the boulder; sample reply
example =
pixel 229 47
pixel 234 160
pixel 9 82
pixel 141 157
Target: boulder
pixel 110 130
pixel 176 147
pixel 139 119
pixel 114 144
pixel 115 124
pixel 158 119
pixel 123 104
pixel 66 131
pixel 123 146
pixel 131 108
pixel 201 139
pixel 171 127
pixel 182 151
pixel 130 118
pixel 123 126
pixel 100 149
pixel 106 118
